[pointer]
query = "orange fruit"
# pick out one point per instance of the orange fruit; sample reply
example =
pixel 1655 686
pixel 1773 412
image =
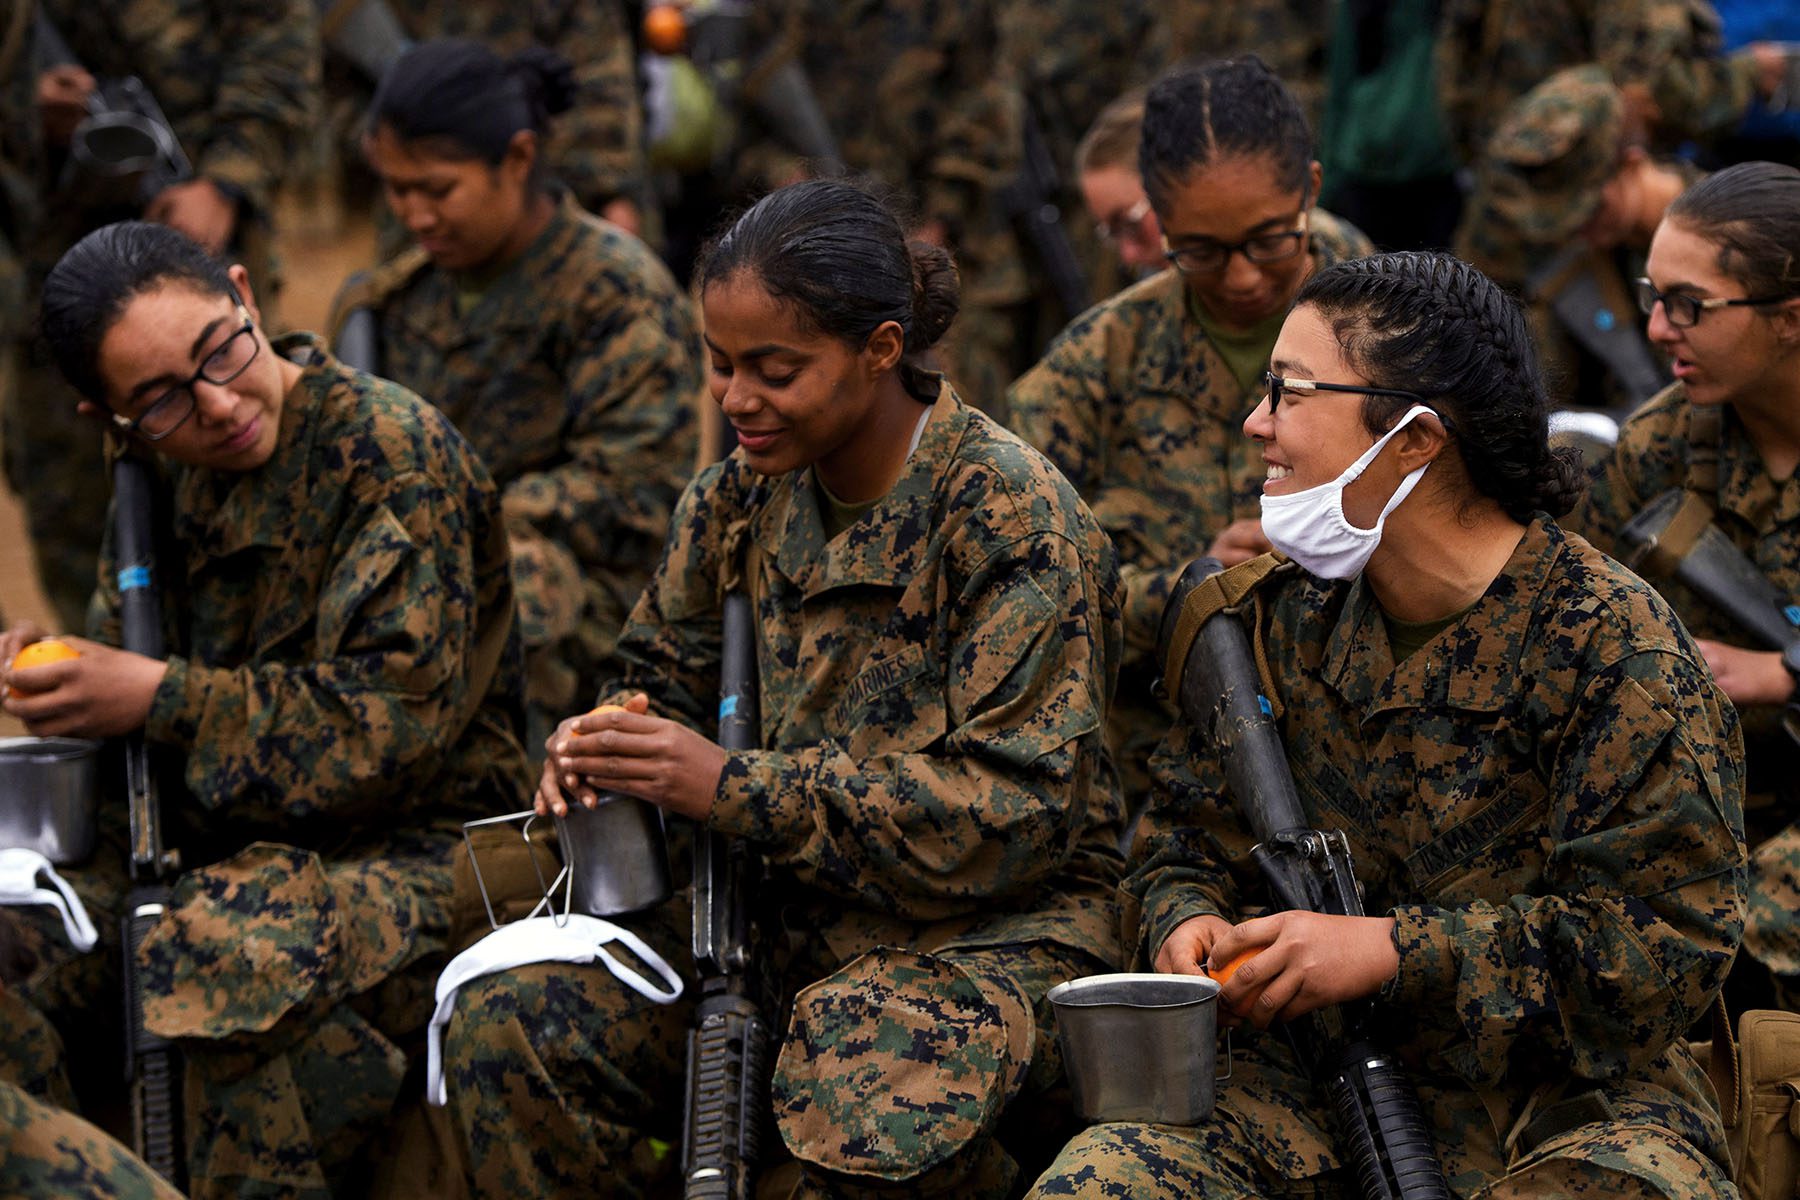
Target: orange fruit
pixel 665 29
pixel 1224 974
pixel 42 653
pixel 594 712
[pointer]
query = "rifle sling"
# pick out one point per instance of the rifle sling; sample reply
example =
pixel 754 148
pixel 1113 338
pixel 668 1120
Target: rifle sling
pixel 1661 557
pixel 1224 592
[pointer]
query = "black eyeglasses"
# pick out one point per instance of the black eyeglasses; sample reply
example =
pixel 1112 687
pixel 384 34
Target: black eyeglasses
pixel 165 414
pixel 1280 383
pixel 1207 257
pixel 1684 311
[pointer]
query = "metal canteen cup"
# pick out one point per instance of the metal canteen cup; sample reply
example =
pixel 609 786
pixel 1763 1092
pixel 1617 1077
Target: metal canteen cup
pixel 617 855
pixel 1140 1047
pixel 50 796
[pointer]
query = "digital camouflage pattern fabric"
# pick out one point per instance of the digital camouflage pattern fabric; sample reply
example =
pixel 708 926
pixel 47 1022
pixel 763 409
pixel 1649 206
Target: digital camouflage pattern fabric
pixel 49 1153
pixel 1135 406
pixel 238 81
pixel 934 805
pixel 1547 800
pixel 1491 52
pixel 343 689
pixel 576 376
pixel 596 147
pixel 1289 35
pixel 1761 516
pixel 918 96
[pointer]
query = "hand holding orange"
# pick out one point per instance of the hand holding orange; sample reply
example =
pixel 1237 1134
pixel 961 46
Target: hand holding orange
pixel 1223 974
pixel 42 653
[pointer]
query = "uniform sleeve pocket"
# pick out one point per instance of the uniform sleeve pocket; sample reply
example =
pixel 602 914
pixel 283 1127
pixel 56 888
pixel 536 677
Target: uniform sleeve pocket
pixel 380 549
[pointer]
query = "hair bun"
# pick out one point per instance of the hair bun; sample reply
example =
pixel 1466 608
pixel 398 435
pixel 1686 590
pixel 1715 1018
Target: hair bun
pixel 549 78
pixel 937 295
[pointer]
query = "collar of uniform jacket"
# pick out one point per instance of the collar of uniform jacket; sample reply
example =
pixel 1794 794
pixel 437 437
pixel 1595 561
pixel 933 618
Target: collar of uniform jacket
pixel 218 513
pixel 791 532
pixel 1469 666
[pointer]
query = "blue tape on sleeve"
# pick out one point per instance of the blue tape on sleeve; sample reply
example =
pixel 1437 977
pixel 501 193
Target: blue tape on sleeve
pixel 133 577
pixel 1262 702
pixel 727 707
pixel 1792 613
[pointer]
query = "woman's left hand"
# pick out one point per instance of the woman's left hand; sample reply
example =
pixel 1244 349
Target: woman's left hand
pixel 1307 961
pixel 1748 676
pixel 105 692
pixel 652 758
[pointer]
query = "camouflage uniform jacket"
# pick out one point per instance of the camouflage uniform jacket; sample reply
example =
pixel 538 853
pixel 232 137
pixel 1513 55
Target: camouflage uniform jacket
pixel 576 378
pixel 343 662
pixel 1145 419
pixel 1491 52
pixel 1760 514
pixel 1547 799
pixel 597 146
pixel 916 96
pixel 20 166
pixel 933 683
pixel 238 79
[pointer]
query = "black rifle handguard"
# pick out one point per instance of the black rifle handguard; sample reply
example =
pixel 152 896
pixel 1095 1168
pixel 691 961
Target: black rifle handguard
pixel 728 1047
pixel 152 1065
pixel 1381 1122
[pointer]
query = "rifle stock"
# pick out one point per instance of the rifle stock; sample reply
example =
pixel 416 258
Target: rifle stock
pixel 1381 1123
pixel 152 1066
pixel 1031 204
pixel 728 1046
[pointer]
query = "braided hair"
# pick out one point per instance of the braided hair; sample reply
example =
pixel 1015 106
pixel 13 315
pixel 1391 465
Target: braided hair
pixel 1196 115
pixel 1432 324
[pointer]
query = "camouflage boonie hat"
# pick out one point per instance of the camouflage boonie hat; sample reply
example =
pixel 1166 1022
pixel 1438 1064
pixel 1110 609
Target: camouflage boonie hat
pixel 1553 152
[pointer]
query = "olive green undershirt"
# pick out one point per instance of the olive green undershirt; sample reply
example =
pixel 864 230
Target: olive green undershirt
pixel 1246 354
pixel 835 514
pixel 1404 637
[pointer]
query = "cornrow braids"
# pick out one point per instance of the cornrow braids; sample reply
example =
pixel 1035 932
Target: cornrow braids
pixel 1432 324
pixel 1196 115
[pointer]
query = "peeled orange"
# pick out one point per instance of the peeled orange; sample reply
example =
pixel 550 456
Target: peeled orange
pixel 1223 974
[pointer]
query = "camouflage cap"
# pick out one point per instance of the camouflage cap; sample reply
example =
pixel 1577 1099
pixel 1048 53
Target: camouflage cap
pixel 1553 152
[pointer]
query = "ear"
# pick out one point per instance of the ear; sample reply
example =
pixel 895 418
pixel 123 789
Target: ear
pixel 520 157
pixel 1422 441
pixel 1785 317
pixel 95 412
pixel 1317 174
pixel 240 280
pixel 885 347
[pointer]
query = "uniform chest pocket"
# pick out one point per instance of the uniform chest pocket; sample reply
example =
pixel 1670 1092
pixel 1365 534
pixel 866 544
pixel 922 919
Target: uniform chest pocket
pixel 895 704
pixel 1497 850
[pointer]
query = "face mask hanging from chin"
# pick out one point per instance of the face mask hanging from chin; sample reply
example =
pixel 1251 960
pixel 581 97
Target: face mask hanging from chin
pixel 1310 527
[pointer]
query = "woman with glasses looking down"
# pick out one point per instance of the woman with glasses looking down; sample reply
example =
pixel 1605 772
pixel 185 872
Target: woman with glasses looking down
pixel 342 688
pixel 1537 783
pixel 1140 399
pixel 1722 295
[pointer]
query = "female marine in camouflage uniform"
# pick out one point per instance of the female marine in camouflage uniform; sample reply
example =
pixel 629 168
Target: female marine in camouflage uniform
pixel 1728 431
pixel 1538 780
pixel 557 343
pixel 938 637
pixel 1139 401
pixel 342 690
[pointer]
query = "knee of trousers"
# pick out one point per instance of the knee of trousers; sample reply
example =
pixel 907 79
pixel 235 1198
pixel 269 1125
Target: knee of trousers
pixel 899 1064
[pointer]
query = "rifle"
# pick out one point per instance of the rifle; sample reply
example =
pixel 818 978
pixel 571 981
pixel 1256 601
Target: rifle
pixel 124 153
pixel 152 1067
pixel 1589 300
pixel 1380 1119
pixel 728 1046
pixel 1029 202
pixel 358 341
pixel 364 33
pixel 775 83
pixel 1674 537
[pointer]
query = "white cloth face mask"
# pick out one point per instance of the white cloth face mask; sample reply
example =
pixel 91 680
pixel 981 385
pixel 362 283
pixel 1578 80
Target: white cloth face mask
pixel 1310 527
pixel 572 939
pixel 20 870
